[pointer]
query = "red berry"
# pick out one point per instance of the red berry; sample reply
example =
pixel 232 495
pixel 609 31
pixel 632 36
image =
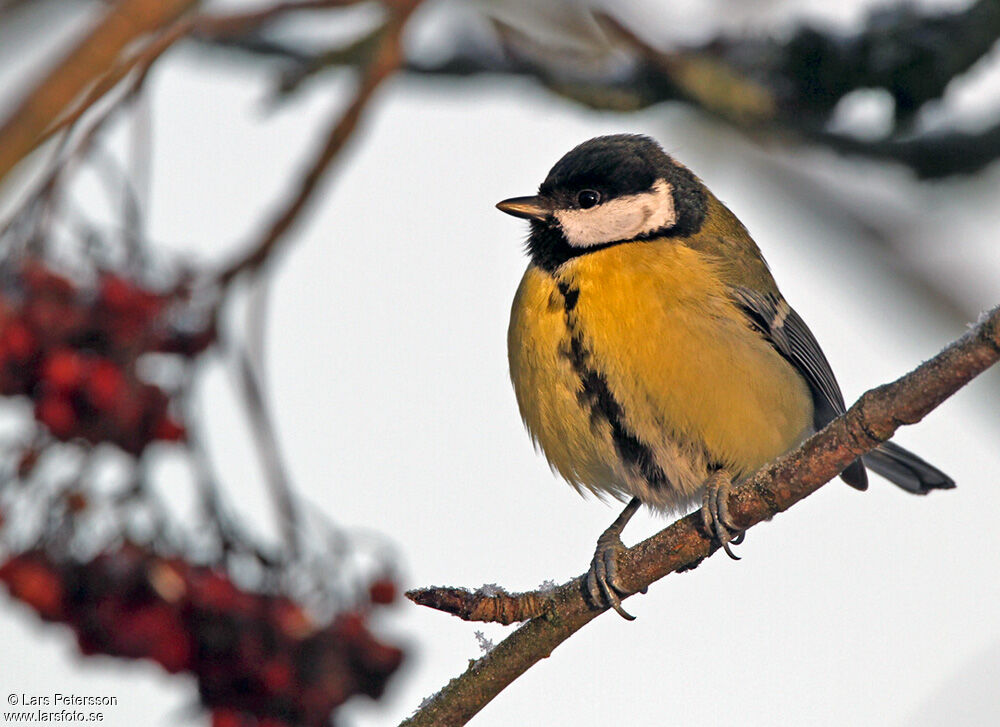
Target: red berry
pixel 291 620
pixel 228 718
pixel 55 320
pixel 277 675
pixel 56 413
pixel 64 370
pixel 169 431
pixel 216 592
pixel 149 304
pixel 250 649
pixel 35 584
pixel 154 631
pixel 317 700
pixel 128 414
pixel 172 652
pixel 380 658
pixel 19 341
pixel 116 292
pixel 382 591
pixel 126 300
pixel 43 281
pixel 350 626
pixel 105 385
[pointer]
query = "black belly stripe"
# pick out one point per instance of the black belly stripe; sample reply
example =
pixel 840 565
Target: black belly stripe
pixel 596 395
pixel 570 296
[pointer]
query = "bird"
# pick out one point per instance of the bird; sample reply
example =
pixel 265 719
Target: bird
pixel 652 355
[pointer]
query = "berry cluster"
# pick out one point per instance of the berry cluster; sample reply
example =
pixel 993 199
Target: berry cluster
pixel 260 660
pixel 74 350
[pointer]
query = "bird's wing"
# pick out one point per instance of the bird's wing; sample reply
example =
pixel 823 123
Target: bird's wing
pixel 785 330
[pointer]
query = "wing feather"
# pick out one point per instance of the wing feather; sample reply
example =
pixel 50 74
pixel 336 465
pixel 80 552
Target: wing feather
pixel 785 330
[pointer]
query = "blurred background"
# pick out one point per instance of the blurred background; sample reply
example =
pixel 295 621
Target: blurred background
pixel 309 418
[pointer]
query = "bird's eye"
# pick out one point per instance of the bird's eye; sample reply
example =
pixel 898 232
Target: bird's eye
pixel 588 198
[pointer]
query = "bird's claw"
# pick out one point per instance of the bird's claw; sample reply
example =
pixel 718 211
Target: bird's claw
pixel 715 512
pixel 602 585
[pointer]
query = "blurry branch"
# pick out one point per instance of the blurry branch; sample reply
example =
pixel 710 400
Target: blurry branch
pixel 137 64
pixel 560 612
pixel 354 53
pixel 8 5
pixel 931 155
pixel 68 155
pixel 248 363
pixel 884 242
pixel 100 64
pixel 387 58
pixel 910 54
pixel 92 57
pixel 786 87
pixel 384 60
pixel 110 53
pixel 222 26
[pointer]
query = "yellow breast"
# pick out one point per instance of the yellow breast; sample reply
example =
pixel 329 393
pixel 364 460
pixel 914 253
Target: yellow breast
pixel 693 384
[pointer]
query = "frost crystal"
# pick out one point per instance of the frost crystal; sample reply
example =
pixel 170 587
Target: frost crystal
pixel 490 589
pixel 484 643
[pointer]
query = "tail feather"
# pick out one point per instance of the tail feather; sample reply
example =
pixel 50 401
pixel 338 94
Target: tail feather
pixel 854 475
pixel 907 470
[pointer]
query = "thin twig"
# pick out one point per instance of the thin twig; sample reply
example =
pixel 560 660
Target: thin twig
pixel 247 357
pixel 138 63
pixel 386 59
pixel 229 24
pixel 206 26
pixel 871 420
pixel 90 59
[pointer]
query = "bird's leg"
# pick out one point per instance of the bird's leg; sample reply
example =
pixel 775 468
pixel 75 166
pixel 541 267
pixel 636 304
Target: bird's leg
pixel 602 578
pixel 715 511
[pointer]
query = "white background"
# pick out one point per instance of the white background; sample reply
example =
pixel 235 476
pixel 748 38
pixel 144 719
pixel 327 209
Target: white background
pixel 387 369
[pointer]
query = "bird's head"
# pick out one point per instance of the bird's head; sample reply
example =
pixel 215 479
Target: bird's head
pixel 607 191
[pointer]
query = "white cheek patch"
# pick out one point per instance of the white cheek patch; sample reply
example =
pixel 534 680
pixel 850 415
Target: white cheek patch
pixel 622 218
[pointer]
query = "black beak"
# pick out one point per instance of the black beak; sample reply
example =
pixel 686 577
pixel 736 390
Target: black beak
pixel 528 208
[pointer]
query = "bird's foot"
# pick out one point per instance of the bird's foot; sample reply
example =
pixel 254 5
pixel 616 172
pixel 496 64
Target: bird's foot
pixel 715 512
pixel 603 586
pixel 602 578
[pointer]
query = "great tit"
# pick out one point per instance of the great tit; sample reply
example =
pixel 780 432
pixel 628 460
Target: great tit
pixel 652 355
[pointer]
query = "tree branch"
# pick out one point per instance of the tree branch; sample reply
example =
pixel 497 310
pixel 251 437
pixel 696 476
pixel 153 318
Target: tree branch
pixel 225 25
pixel 871 420
pixel 387 58
pixel 785 86
pixel 909 52
pixel 932 155
pixel 90 59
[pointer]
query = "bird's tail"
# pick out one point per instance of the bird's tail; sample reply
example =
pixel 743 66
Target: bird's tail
pixel 907 470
